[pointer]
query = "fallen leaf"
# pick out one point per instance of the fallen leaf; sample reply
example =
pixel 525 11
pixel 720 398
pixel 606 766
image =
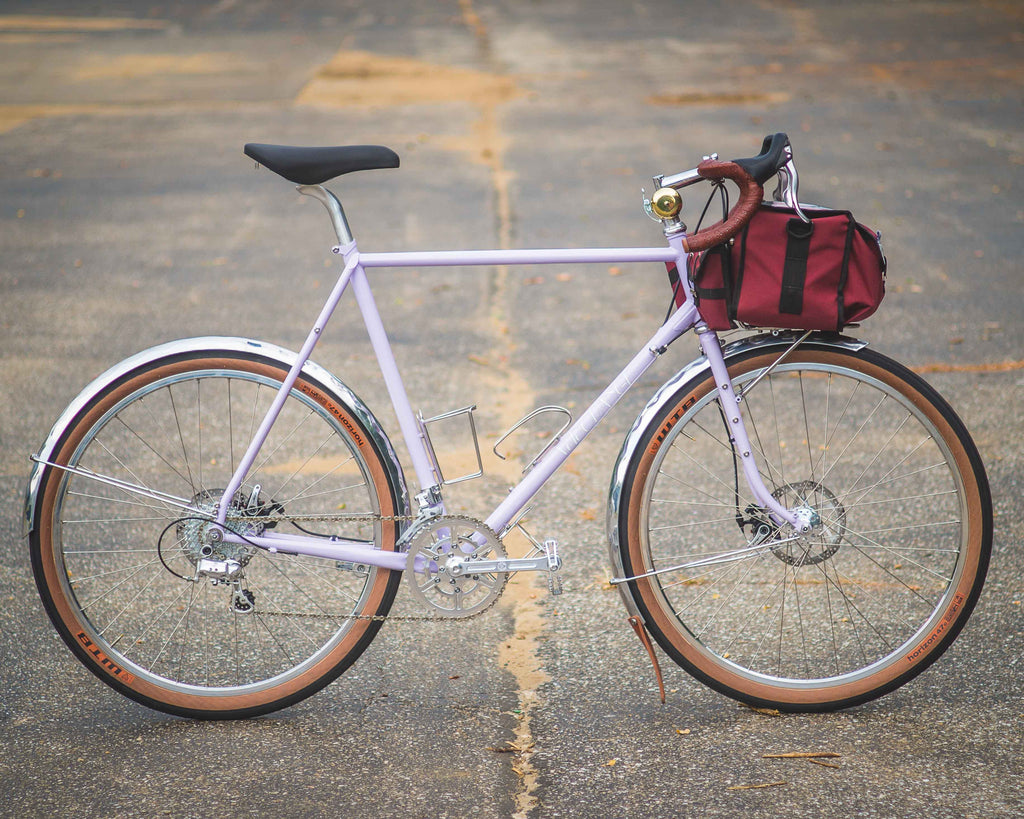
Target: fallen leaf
pixel 755 787
pixel 803 755
pixel 611 763
pixel 768 712
pixel 521 745
pixel 824 764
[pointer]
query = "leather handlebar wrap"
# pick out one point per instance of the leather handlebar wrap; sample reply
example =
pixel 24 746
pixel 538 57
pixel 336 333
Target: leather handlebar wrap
pixel 751 195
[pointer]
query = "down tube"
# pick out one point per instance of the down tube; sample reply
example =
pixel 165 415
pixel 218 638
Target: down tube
pixel 682 320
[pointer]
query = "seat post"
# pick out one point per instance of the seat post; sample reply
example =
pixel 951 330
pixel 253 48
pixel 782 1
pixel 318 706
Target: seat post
pixel 330 201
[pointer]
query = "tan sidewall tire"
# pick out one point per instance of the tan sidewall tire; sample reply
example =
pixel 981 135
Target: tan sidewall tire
pixel 68 619
pixel 958 604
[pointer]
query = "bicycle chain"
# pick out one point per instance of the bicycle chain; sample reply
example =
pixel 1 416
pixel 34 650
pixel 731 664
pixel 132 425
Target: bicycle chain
pixel 329 518
pixel 374 618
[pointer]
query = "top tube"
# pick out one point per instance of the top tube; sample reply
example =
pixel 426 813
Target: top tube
pixel 451 258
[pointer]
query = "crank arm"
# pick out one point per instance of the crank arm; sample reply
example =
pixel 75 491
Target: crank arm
pixel 544 563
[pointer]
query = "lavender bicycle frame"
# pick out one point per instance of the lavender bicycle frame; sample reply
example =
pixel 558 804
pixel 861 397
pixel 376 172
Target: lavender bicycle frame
pixel 354 274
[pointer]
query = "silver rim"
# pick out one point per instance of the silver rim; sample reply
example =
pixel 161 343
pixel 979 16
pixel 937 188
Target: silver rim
pixel 878 571
pixel 136 592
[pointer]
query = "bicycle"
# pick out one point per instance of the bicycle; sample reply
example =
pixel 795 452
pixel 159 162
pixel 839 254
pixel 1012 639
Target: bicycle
pixel 218 527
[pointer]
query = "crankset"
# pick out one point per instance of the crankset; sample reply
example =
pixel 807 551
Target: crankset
pixel 457 566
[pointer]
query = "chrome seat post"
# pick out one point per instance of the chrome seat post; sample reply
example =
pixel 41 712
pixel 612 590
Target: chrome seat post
pixel 334 208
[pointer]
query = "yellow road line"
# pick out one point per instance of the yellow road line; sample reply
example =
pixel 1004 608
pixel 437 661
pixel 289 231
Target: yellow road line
pixel 995 367
pixel 11 116
pixel 32 22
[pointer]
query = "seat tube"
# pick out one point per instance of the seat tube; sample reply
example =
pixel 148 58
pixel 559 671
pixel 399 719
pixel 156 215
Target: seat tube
pixel 737 430
pixel 393 381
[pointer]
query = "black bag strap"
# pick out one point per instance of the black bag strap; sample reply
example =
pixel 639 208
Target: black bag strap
pixel 844 272
pixel 724 258
pixel 735 279
pixel 794 270
pixel 673 276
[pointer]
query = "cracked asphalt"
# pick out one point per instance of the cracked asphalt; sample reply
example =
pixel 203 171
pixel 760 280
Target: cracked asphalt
pixel 129 216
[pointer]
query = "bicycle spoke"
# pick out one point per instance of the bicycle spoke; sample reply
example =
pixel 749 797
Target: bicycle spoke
pixel 842 600
pixel 181 439
pixel 188 613
pixel 130 429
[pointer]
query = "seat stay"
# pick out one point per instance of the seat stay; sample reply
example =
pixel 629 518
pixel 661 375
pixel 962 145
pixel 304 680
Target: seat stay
pixel 247 460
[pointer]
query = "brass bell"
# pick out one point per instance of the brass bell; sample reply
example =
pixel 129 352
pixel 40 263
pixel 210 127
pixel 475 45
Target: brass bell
pixel 666 203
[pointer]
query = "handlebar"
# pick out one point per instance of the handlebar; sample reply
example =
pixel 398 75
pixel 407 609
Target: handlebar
pixel 775 153
pixel 749 175
pixel 751 194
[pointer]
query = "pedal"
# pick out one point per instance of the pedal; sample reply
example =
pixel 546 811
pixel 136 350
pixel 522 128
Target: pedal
pixel 554 565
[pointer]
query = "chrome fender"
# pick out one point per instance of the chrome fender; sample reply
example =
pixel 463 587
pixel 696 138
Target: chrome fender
pixel 699 366
pixel 213 344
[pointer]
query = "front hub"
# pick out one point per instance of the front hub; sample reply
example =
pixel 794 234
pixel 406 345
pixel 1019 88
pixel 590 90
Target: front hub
pixel 820 527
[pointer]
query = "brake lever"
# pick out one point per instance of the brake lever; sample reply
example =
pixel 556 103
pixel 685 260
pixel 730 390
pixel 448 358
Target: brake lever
pixel 788 188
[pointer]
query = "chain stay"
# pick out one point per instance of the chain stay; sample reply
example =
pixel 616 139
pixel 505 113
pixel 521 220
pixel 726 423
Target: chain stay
pixel 343 518
pixel 328 518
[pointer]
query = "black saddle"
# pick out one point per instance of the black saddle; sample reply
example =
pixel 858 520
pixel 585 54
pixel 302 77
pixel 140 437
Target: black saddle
pixel 311 166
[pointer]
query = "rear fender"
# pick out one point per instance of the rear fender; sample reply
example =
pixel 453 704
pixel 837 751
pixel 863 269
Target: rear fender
pixel 214 345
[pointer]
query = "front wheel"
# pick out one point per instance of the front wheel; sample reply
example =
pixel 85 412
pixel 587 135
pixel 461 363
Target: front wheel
pixel 901 529
pixel 117 544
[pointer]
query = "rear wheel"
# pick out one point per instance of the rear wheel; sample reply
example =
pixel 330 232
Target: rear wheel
pixel 901 530
pixel 117 565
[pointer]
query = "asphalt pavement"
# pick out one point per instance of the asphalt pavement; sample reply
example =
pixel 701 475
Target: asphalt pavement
pixel 129 216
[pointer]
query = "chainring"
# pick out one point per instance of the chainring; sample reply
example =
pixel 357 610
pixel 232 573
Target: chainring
pixel 439 566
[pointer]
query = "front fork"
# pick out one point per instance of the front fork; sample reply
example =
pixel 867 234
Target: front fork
pixel 730 404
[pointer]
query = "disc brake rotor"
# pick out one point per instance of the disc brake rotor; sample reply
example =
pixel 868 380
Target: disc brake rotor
pixel 826 515
pixel 439 567
pixel 191 531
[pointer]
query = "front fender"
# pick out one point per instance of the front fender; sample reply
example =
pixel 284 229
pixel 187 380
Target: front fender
pixel 214 344
pixel 698 367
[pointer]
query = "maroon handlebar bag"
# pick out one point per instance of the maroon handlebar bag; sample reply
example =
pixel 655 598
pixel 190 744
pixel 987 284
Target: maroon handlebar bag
pixel 780 271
